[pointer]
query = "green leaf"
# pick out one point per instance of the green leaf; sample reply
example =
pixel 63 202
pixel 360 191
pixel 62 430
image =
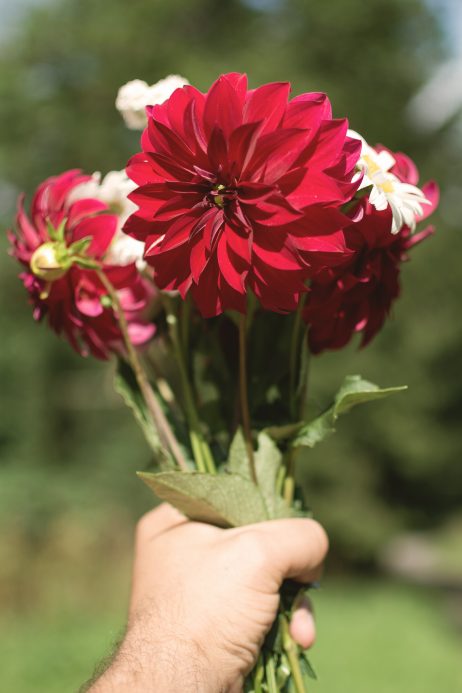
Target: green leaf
pixel 86 263
pixel 224 500
pixel 284 432
pixel 354 391
pixel 127 387
pixel 268 460
pixel 238 460
pixel 81 246
pixel 305 665
pixel 58 233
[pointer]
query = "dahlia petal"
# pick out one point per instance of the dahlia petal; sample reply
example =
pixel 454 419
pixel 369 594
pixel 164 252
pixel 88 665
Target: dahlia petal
pixel 84 208
pixel 173 273
pixel 140 333
pixel 88 304
pixel 242 145
pixel 276 153
pixel 139 228
pixel 256 106
pixel 281 259
pixel 328 143
pixel 175 108
pixel 177 206
pixel 193 127
pixel 168 167
pixel 57 193
pixel 205 294
pixel 198 258
pixel 178 233
pixel 121 276
pixel 275 211
pixel 170 143
pixel 404 168
pixel 241 245
pixel 233 276
pixel 223 105
pixel 251 193
pixel 101 229
pixel 307 111
pixel 140 169
pixel 217 149
pixel 432 194
pixel 149 199
pixel 212 227
pixel 420 236
pixel 27 231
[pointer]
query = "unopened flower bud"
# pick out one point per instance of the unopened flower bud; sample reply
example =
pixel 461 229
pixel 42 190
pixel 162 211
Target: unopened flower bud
pixel 44 263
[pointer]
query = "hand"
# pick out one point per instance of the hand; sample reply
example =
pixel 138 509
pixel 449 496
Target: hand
pixel 204 598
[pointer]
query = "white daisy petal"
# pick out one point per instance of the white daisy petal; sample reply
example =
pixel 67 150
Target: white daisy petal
pixel 134 96
pixel 405 200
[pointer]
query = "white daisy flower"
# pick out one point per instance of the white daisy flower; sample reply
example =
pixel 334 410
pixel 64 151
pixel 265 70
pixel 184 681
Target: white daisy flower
pixel 113 190
pixel 405 200
pixel 134 96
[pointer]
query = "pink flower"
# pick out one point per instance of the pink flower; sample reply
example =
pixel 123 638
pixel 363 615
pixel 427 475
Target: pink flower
pixel 70 295
pixel 357 294
pixel 240 190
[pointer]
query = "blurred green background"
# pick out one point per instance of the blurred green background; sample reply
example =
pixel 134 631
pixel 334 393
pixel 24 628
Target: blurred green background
pixel 388 487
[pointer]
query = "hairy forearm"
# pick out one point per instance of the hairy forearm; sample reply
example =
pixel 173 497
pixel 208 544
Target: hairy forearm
pixel 164 662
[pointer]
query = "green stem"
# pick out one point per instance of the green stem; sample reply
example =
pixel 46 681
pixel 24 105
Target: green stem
pixel 289 481
pixel 271 681
pixel 304 376
pixel 259 672
pixel 294 358
pixel 201 451
pixel 291 651
pixel 166 434
pixel 244 399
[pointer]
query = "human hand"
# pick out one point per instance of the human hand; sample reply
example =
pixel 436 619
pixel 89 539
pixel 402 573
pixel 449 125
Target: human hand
pixel 203 599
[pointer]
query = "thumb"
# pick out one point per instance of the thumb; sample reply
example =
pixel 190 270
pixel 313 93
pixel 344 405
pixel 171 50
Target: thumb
pixel 296 548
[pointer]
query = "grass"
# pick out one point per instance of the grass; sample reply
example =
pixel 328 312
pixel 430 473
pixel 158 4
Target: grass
pixel 373 636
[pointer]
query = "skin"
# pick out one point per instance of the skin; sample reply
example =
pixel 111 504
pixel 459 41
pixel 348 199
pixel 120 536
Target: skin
pixel 204 598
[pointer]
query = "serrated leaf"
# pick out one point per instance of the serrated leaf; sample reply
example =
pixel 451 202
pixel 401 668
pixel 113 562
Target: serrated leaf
pixel 127 387
pixel 353 391
pixel 238 460
pixel 268 460
pixel 224 500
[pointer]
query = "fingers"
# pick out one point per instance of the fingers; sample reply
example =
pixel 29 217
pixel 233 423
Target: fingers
pixel 302 626
pixel 295 548
pixel 158 521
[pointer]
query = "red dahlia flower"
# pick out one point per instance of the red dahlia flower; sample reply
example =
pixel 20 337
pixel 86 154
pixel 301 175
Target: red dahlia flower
pixel 70 295
pixel 240 190
pixel 356 296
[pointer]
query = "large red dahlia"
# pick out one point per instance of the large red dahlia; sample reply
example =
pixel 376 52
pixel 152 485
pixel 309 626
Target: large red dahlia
pixel 70 295
pixel 356 295
pixel 241 190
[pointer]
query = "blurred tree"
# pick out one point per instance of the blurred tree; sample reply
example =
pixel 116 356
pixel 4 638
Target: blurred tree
pixel 63 438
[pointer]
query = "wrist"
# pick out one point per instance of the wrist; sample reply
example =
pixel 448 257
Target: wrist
pixel 157 659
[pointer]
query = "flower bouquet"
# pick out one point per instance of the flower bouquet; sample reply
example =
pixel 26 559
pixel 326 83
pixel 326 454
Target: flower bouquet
pixel 249 232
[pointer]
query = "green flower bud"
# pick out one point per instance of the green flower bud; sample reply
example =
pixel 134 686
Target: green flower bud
pixel 44 263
